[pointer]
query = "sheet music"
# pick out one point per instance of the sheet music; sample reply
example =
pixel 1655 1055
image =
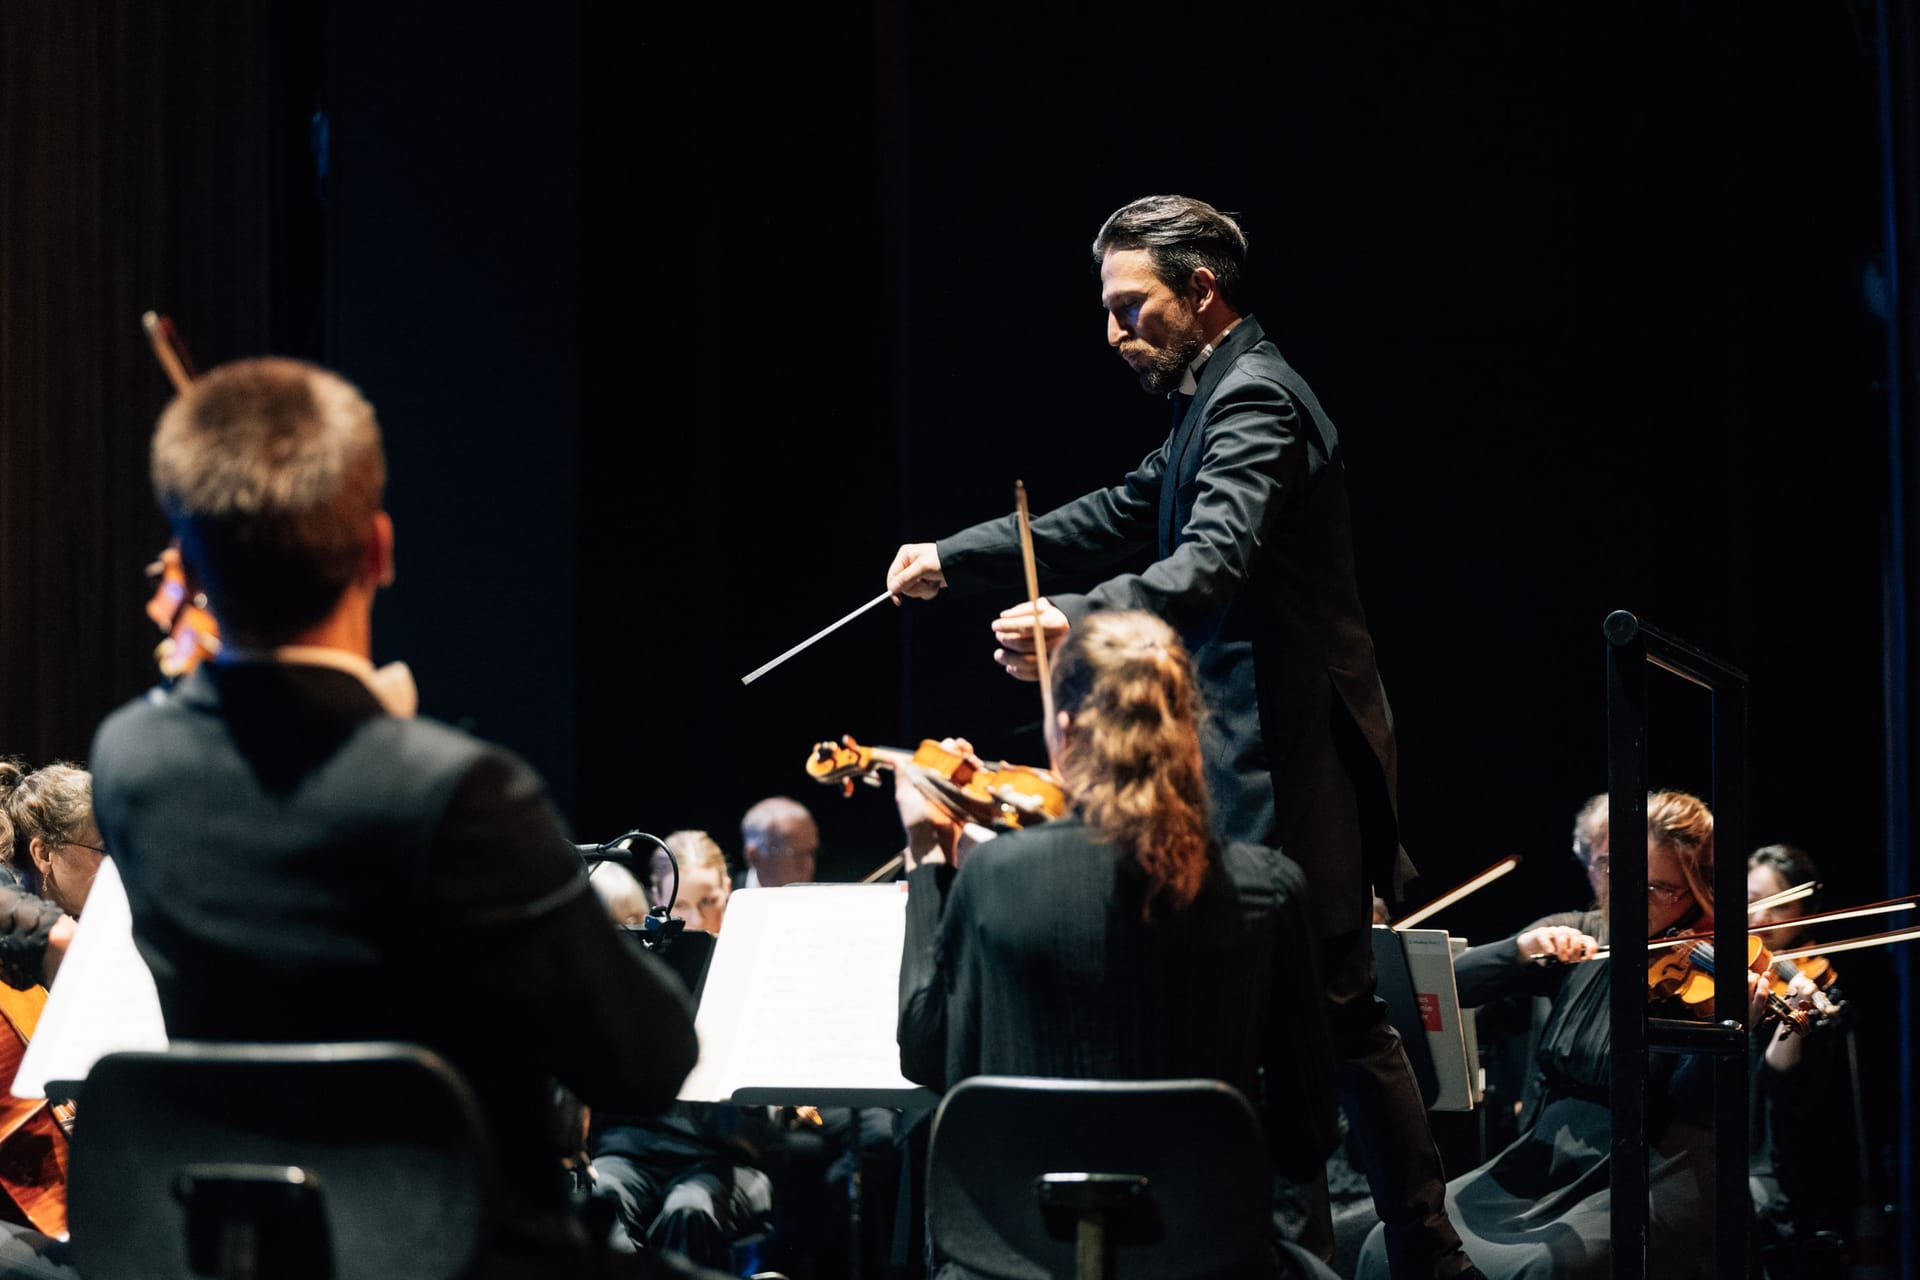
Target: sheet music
pixel 802 998
pixel 1430 962
pixel 102 1000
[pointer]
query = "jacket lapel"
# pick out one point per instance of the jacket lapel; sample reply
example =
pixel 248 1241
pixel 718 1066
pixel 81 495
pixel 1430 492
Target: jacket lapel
pixel 1186 436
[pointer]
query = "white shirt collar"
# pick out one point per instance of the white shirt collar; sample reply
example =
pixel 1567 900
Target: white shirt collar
pixel 1189 381
pixel 392 684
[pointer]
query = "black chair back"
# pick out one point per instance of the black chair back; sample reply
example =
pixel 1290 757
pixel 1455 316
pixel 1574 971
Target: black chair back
pixel 298 1162
pixel 1014 1161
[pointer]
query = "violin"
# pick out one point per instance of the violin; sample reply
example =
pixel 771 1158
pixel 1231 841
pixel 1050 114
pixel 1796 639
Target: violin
pixel 1003 796
pixel 1816 969
pixel 191 635
pixel 1684 973
pixel 33 1132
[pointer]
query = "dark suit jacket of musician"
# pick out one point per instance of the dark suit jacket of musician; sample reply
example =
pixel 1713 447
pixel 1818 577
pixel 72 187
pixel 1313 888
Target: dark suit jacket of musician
pixel 302 866
pixel 1245 511
pixel 1034 960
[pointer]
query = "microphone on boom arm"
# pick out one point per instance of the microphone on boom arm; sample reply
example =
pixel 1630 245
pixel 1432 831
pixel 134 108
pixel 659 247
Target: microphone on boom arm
pixel 658 930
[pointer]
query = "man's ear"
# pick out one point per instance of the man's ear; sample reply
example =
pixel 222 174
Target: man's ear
pixel 378 566
pixel 1204 287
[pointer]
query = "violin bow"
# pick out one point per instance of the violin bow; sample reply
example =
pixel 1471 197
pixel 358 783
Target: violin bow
pixel 169 350
pixel 1039 631
pixel 1844 913
pixel 1454 895
pixel 1797 892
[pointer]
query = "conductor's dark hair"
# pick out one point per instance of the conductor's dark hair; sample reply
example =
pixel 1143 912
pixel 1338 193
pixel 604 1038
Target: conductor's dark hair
pixel 1182 235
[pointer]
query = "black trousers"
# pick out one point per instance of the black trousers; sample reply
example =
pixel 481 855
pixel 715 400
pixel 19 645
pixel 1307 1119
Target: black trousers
pixel 1388 1121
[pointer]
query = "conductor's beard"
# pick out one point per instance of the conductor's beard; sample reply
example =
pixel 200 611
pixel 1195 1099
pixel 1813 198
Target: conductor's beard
pixel 1161 369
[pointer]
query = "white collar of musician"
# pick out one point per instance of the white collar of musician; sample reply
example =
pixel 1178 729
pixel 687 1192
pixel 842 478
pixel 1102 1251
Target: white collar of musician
pixel 1190 380
pixel 392 684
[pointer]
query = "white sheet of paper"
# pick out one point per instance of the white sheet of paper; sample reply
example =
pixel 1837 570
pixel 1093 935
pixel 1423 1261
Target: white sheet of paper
pixel 103 999
pixel 1430 962
pixel 802 998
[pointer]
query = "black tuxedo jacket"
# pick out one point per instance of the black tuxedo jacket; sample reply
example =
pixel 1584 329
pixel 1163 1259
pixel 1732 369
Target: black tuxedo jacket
pixel 302 866
pixel 1245 510
pixel 1034 960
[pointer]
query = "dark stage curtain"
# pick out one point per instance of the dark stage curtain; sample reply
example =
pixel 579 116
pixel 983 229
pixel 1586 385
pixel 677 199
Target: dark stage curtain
pixel 144 149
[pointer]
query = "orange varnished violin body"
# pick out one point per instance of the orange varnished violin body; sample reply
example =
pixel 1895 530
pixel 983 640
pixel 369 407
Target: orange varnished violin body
pixel 1000 795
pixel 1684 973
pixel 33 1133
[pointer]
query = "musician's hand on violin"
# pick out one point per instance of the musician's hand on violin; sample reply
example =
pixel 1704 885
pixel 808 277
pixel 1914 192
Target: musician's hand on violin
pixel 1555 942
pixel 915 572
pixel 1013 631
pixel 1759 993
pixel 933 835
pixel 929 832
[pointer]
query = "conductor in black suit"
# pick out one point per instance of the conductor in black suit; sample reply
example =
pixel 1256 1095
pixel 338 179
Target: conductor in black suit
pixel 1244 511
pixel 304 864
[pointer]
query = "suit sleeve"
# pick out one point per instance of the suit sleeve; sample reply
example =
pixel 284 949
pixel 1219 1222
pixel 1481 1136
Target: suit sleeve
pixel 922 1027
pixel 1091 534
pixel 1255 453
pixel 533 943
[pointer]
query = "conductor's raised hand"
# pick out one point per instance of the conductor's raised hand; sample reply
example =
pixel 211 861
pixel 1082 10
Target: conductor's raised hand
pixel 1013 632
pixel 915 572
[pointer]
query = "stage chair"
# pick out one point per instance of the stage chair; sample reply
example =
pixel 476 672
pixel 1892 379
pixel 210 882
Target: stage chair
pixel 288 1161
pixel 1030 1179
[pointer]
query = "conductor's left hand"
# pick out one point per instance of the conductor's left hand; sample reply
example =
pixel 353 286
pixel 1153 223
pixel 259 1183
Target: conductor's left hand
pixel 1013 632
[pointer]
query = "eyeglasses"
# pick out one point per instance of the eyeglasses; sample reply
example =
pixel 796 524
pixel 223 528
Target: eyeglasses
pixel 80 844
pixel 1655 889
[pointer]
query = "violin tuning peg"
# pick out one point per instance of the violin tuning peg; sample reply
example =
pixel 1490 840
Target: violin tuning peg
pixel 846 786
pixel 871 779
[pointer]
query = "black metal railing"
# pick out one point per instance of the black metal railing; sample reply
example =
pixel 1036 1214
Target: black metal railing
pixel 1633 647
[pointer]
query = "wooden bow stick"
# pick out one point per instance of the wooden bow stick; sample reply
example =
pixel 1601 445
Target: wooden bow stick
pixel 1040 657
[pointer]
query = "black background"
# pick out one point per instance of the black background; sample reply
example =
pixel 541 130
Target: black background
pixel 680 319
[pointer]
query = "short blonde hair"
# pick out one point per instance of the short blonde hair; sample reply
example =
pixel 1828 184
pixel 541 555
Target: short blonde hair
pixel 270 472
pixel 53 804
pixel 696 848
pixel 620 893
pixel 1590 828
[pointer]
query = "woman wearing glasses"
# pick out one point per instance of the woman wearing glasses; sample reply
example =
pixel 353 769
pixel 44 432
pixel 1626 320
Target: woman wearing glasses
pixel 56 847
pixel 1541 1207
